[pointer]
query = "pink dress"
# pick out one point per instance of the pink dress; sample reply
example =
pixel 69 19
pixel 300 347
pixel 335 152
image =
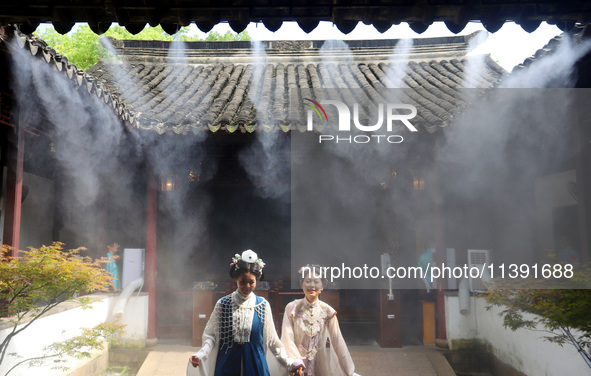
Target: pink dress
pixel 310 331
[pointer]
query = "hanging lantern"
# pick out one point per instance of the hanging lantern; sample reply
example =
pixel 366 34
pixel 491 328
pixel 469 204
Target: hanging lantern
pixel 418 183
pixel 168 183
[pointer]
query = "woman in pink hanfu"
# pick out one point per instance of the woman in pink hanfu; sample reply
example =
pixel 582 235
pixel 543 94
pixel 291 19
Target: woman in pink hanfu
pixel 311 332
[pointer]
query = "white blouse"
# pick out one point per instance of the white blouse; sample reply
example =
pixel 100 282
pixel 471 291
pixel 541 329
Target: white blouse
pixel 243 311
pixel 311 332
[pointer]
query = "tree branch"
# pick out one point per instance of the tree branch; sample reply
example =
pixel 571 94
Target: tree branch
pixel 30 360
pixel 581 351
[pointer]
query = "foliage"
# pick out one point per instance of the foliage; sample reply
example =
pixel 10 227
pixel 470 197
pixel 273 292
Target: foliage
pixel 117 370
pixel 550 303
pixel 40 279
pixel 149 33
pixel 83 47
pixel 214 35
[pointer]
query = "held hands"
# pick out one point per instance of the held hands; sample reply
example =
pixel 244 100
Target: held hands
pixel 297 368
pixel 194 360
pixel 298 371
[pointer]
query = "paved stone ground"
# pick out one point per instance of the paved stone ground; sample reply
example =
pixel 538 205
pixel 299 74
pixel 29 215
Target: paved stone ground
pixel 406 361
pixel 167 359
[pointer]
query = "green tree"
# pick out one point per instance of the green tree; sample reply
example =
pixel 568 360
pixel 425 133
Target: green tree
pixel 149 33
pixel 564 312
pixel 214 35
pixel 83 48
pixel 39 280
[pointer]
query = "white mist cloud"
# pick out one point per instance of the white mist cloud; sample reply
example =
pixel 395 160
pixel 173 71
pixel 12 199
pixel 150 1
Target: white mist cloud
pixel 475 62
pixel 399 63
pixel 556 69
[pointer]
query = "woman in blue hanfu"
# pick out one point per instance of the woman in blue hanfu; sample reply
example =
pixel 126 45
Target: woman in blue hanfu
pixel 241 330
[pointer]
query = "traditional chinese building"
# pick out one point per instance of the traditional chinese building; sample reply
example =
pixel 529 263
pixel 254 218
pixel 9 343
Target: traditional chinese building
pixel 177 163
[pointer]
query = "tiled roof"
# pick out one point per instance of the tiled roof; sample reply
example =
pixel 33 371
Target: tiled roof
pixel 206 85
pixel 209 85
pixel 577 34
pixel 59 63
pixel 548 49
pixel 562 63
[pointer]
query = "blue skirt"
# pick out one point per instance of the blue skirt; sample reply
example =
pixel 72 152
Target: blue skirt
pixel 246 359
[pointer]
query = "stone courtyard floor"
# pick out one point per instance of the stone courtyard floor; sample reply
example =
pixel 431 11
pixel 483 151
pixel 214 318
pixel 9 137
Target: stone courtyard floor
pixel 169 359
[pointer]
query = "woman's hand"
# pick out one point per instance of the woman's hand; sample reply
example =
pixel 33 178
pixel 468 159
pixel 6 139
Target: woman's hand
pixel 194 360
pixel 298 371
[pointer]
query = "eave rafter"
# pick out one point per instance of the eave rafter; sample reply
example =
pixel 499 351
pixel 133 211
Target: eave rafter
pixel 345 14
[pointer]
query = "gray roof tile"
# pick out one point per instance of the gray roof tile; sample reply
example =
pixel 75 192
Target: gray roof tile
pixel 214 86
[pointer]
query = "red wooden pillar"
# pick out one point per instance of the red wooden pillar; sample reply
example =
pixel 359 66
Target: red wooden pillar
pixel 151 255
pixel 440 254
pixel 14 188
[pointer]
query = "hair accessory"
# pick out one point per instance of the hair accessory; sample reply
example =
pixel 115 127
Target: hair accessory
pixel 248 256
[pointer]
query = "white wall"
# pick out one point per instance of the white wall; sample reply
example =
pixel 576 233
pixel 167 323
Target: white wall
pixel 135 319
pixel 65 321
pixel 525 350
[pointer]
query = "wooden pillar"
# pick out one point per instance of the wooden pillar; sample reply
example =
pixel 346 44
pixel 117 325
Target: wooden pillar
pixel 14 188
pixel 150 272
pixel 439 254
pixel 389 324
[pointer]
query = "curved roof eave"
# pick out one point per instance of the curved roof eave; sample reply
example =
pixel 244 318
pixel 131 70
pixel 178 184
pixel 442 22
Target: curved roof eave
pixel 172 14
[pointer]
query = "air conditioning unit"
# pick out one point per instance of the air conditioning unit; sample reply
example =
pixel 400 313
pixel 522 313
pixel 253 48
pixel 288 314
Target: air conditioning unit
pixel 133 265
pixel 478 258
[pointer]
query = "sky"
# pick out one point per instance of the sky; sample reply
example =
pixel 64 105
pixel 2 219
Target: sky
pixel 509 46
